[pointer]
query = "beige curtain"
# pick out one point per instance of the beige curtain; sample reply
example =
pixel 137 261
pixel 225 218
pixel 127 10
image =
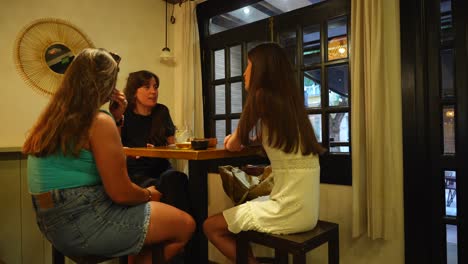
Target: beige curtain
pixel 376 127
pixel 188 103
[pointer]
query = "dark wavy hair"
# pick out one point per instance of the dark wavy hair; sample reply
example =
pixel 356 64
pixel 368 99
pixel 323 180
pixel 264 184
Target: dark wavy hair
pixel 65 122
pixel 274 99
pixel 160 128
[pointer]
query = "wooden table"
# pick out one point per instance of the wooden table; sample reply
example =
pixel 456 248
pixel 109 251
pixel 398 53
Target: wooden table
pixel 199 163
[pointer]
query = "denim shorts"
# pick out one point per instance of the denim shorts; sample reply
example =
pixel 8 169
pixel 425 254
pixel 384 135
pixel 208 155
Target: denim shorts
pixel 85 221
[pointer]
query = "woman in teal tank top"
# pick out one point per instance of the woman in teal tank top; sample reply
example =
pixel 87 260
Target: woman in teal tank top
pixel 84 200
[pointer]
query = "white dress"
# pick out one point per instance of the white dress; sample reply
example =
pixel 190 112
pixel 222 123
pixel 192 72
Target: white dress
pixel 293 204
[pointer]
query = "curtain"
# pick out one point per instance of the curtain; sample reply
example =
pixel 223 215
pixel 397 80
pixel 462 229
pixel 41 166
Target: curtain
pixel 376 122
pixel 188 103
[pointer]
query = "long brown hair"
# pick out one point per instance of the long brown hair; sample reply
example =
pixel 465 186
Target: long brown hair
pixel 160 127
pixel 275 100
pixel 64 124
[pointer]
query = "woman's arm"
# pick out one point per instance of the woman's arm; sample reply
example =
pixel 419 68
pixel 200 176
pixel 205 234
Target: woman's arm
pixel 233 142
pixel 110 160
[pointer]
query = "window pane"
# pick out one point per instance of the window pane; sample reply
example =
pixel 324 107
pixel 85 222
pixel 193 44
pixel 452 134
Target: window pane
pixel 220 130
pixel 450 178
pixel 312 86
pixel 339 131
pixel 447 72
pixel 236 60
pixel 220 99
pixel 254 12
pixel 234 123
pixel 311 46
pixel 338 85
pixel 446 29
pixel 452 241
pixel 448 116
pixel 288 41
pixel 236 97
pixel 219 64
pixel 337 38
pixel 316 121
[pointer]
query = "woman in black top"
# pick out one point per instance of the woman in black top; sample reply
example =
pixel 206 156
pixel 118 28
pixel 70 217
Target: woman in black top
pixel 148 123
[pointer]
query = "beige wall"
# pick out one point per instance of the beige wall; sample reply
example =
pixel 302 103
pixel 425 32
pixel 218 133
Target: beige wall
pixel 133 29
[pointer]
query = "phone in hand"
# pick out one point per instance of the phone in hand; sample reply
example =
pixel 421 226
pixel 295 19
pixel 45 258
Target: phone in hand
pixel 113 105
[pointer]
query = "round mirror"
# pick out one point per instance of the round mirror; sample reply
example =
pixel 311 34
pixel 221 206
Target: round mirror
pixel 58 57
pixel 44 49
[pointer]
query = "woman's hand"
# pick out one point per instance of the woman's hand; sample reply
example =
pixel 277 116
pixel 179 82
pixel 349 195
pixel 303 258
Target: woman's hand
pixel 118 104
pixel 155 194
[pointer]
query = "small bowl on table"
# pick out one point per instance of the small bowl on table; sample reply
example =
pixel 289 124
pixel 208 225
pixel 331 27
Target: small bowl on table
pixel 184 145
pixel 200 144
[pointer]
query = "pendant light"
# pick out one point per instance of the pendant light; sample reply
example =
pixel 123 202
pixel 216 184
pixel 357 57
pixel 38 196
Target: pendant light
pixel 166 54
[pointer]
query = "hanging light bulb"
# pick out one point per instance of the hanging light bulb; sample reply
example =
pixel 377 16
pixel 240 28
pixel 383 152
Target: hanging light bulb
pixel 166 54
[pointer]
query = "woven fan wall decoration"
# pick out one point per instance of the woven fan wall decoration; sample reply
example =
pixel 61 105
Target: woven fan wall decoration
pixel 44 49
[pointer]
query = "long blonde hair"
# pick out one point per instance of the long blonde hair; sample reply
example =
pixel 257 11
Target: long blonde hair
pixel 64 124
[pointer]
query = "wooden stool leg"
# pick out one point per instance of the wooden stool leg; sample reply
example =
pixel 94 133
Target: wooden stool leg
pixel 123 260
pixel 299 259
pixel 334 249
pixel 281 257
pixel 242 248
pixel 57 256
pixel 157 254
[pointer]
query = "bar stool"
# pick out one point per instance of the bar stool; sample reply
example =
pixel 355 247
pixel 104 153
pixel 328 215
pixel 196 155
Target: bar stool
pixel 296 244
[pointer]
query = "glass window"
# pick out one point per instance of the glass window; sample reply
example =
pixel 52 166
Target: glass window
pixel 287 40
pixel 316 121
pixel 255 12
pixel 236 60
pixel 312 88
pixel 220 99
pixel 338 85
pixel 446 27
pixel 311 42
pixel 220 130
pixel 219 64
pixel 339 132
pixel 236 97
pixel 337 38
pixel 447 72
pixel 450 179
pixel 452 243
pixel 448 117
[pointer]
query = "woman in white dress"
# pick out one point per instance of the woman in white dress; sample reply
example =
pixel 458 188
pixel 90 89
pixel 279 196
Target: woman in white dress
pixel 274 109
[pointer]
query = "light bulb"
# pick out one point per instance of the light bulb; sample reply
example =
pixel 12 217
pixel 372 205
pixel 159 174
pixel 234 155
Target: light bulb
pixel 166 54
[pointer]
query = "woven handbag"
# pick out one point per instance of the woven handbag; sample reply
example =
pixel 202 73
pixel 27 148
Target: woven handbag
pixel 241 186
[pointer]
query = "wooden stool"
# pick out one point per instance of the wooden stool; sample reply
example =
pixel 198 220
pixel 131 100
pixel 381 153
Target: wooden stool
pixel 59 258
pixel 296 244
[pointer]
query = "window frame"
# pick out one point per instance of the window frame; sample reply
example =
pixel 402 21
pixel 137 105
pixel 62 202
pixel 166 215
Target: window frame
pixel 326 11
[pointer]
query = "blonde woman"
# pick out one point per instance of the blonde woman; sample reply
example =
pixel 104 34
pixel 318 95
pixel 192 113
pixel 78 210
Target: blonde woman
pixel 84 200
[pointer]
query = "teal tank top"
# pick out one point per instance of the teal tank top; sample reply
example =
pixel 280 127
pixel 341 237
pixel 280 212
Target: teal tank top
pixel 62 172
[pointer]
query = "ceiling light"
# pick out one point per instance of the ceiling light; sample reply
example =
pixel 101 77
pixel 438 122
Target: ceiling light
pixel 246 10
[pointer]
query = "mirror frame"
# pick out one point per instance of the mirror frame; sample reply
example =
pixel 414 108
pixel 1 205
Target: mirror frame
pixel 32 43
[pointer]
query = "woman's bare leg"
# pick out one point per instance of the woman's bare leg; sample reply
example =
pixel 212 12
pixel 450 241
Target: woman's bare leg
pixel 216 230
pixel 168 226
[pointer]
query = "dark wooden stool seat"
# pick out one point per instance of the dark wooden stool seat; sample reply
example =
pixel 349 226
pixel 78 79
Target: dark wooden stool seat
pixel 296 244
pixel 59 258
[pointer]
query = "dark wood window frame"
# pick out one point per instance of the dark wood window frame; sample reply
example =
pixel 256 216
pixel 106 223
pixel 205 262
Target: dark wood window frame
pixel 335 167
